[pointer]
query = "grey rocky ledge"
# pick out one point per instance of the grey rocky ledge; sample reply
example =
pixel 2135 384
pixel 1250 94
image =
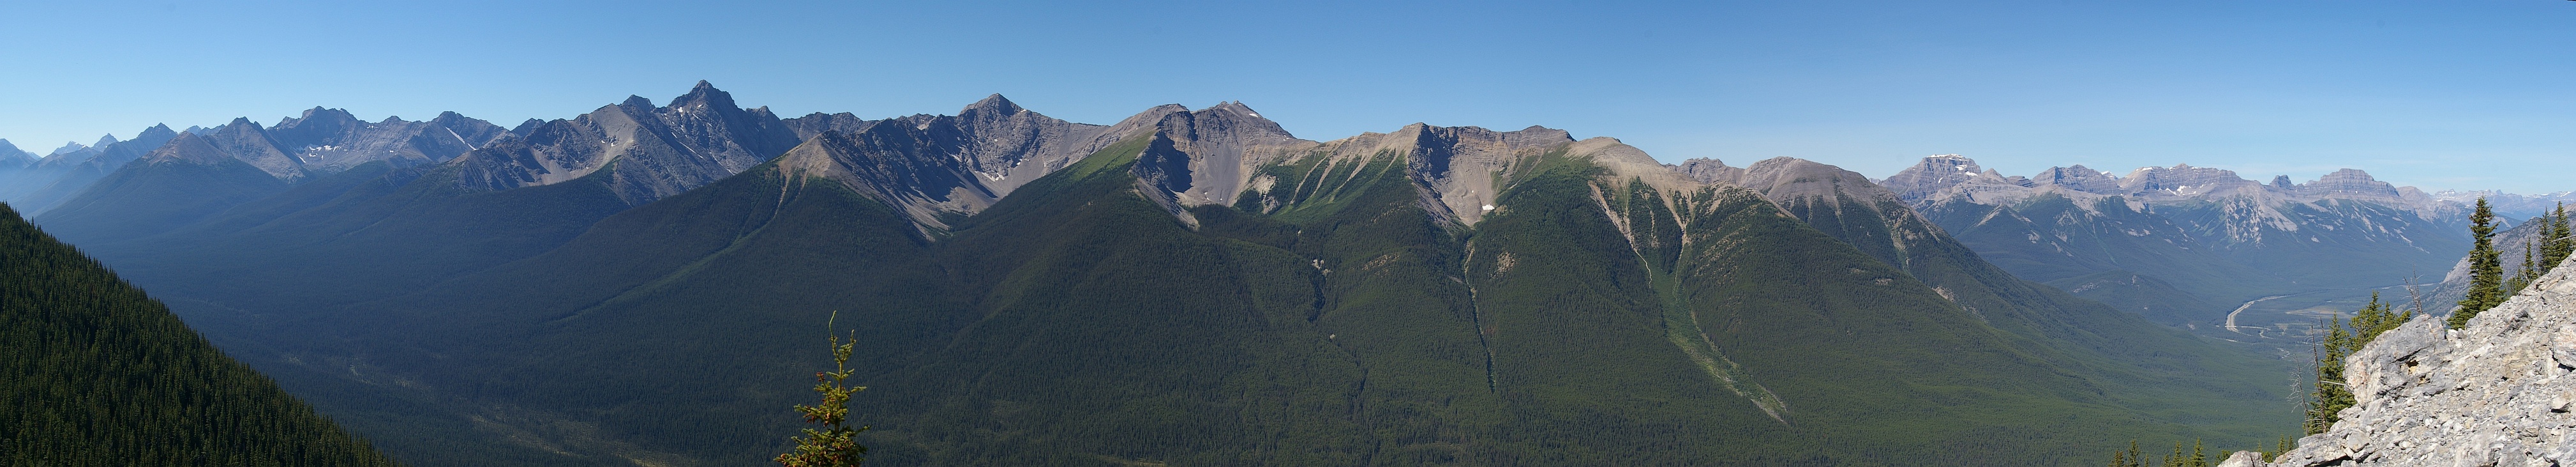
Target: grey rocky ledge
pixel 2495 394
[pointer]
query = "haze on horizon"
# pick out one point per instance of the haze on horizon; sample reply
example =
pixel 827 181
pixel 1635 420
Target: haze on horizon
pixel 2434 95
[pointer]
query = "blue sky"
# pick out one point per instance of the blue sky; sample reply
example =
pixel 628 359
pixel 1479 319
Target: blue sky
pixel 2454 94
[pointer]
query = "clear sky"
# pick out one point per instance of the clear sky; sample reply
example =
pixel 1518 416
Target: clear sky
pixel 2437 94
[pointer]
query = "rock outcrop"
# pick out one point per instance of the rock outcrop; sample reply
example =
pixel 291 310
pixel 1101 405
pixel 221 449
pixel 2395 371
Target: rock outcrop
pixel 2498 393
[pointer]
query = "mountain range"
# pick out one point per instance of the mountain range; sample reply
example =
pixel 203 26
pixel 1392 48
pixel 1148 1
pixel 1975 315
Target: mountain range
pixel 2183 244
pixel 645 284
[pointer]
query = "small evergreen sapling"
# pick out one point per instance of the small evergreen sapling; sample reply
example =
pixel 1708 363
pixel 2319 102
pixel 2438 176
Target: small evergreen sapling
pixel 834 445
pixel 2486 271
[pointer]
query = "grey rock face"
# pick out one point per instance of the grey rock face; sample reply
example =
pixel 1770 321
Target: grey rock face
pixel 2243 459
pixel 1457 167
pixel 246 140
pixel 814 124
pixel 932 165
pixel 2495 394
pixel 1207 156
pixel 655 151
pixel 2182 180
pixel 332 140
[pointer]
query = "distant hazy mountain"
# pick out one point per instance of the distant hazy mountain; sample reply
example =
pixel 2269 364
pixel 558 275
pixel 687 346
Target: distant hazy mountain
pixel 2184 243
pixel 2508 205
pixel 58 176
pixel 11 157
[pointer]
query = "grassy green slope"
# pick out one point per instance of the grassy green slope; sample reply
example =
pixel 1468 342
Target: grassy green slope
pixel 94 373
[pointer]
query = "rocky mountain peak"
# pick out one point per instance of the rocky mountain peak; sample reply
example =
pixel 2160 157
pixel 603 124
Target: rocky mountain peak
pixel 318 126
pixel 68 147
pixel 1931 175
pixel 2181 179
pixel 188 148
pixel 2282 181
pixel 319 112
pixel 2349 182
pixel 104 140
pixel 2078 178
pixel 702 96
pixel 158 131
pixel 245 140
pixel 813 124
pixel 1205 156
pixel 635 102
pixel 1709 170
pixel 995 105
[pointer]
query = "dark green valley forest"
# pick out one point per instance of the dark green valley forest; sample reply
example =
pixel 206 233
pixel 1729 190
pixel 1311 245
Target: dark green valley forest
pixel 95 373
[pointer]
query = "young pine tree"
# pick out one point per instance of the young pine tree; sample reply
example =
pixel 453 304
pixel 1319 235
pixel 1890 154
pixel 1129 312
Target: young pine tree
pixel 2528 274
pixel 2330 396
pixel 2198 457
pixel 835 445
pixel 2486 271
pixel 2557 241
pixel 2129 458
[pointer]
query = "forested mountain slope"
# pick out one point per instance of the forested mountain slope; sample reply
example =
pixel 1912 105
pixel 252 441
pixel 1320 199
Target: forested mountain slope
pixel 95 373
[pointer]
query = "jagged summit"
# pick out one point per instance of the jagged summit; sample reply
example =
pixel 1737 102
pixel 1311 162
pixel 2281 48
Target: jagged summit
pixel 189 148
pixel 703 96
pixel 701 137
pixel 71 146
pixel 993 104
